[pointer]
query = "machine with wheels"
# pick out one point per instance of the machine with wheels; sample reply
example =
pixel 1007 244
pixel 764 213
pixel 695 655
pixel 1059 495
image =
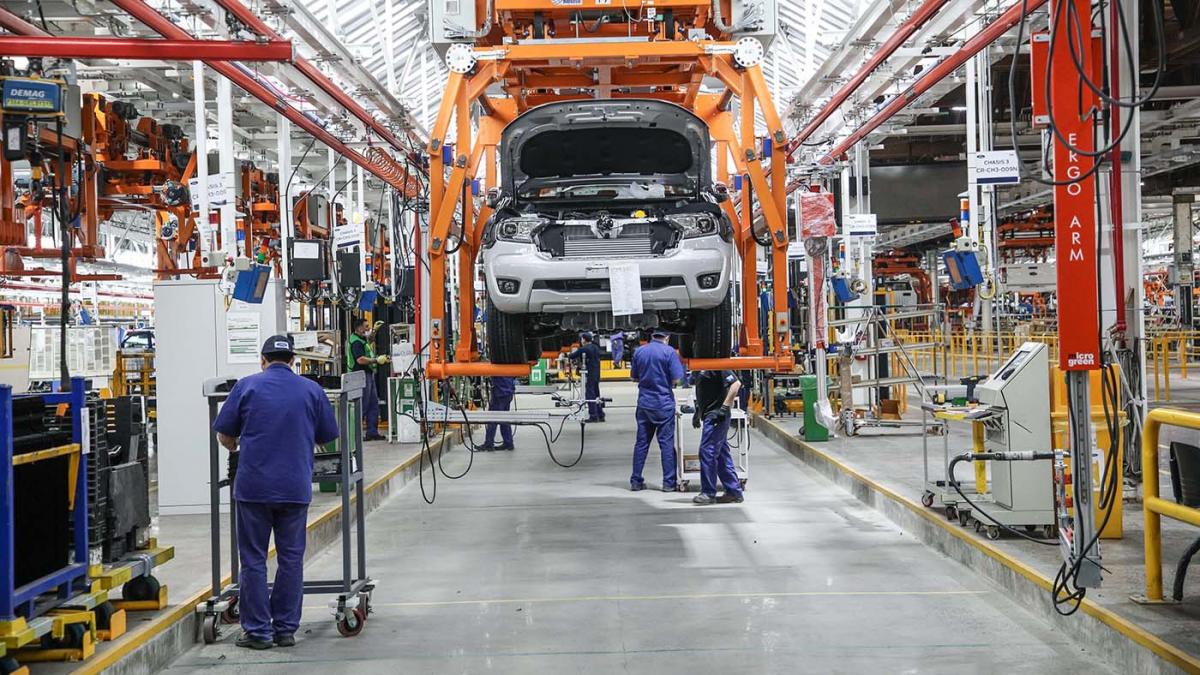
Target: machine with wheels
pixel 1012 416
pixel 352 603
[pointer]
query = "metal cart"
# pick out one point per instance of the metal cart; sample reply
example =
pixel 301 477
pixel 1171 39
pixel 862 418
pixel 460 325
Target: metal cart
pixel 938 490
pixel 352 604
pixel 687 446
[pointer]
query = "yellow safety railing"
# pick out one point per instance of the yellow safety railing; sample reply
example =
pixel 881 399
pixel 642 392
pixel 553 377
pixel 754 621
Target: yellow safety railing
pixel 1169 351
pixel 1155 507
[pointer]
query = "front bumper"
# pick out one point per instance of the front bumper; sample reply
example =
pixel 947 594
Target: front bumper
pixel 557 286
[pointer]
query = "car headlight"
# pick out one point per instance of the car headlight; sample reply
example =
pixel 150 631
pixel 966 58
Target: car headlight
pixel 695 224
pixel 518 229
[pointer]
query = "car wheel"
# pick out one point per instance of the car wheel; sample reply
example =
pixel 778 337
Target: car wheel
pixel 533 349
pixel 714 331
pixel 505 336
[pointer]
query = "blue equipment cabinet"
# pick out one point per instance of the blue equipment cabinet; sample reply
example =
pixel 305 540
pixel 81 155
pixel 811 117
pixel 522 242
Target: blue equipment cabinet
pixel 34 598
pixel 963 269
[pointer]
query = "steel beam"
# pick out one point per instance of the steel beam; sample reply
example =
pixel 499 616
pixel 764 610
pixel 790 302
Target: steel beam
pixel 934 75
pixel 165 27
pixel 903 32
pixel 145 50
pixel 314 74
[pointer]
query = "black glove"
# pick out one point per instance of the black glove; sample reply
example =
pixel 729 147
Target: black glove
pixel 717 416
pixel 696 420
pixel 233 464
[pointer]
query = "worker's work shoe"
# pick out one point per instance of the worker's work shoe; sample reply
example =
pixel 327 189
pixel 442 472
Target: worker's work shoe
pixel 251 642
pixel 285 640
pixel 485 447
pixel 730 498
pixel 505 447
pixel 374 437
pixel 704 499
pixel 669 488
pixel 636 487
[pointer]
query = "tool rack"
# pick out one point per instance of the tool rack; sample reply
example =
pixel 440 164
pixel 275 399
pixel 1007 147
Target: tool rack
pixel 56 612
pixel 352 603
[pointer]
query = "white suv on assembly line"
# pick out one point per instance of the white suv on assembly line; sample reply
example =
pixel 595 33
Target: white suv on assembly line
pixel 588 183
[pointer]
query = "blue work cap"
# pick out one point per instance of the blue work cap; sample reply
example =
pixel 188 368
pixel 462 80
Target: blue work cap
pixel 660 332
pixel 278 344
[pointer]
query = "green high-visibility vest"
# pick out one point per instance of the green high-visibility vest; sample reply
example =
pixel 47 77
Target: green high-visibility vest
pixel 368 348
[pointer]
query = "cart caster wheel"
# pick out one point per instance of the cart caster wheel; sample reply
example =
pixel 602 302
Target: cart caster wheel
pixel 743 481
pixel 993 532
pixel 978 526
pixel 964 518
pixel 1031 528
pixel 72 638
pixel 104 613
pixel 352 624
pixel 951 513
pixel 232 613
pixel 1049 532
pixel 211 629
pixel 9 665
pixel 927 500
pixel 141 588
pixel 364 602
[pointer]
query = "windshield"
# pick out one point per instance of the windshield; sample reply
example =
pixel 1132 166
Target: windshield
pixel 603 190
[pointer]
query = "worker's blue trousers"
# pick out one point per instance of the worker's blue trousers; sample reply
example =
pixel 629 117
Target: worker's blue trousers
pixel 651 423
pixel 716 462
pixel 499 403
pixel 265 615
pixel 591 391
pixel 370 406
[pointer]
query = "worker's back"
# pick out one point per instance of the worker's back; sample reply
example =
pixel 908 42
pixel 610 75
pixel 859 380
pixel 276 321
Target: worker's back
pixel 278 418
pixel 656 368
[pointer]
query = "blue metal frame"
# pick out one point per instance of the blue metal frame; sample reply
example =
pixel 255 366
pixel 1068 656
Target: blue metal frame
pixel 22 602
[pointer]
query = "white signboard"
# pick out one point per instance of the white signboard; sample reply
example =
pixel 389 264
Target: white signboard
pixel 860 225
pixel 999 167
pixel 242 337
pixel 218 192
pixel 625 287
pixel 348 234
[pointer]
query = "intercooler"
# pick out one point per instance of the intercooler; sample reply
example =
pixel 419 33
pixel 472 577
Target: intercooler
pixel 580 242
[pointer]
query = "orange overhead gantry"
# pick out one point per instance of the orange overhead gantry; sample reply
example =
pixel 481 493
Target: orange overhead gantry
pixel 519 64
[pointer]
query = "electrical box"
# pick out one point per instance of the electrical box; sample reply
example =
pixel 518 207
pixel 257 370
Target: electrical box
pixel 349 275
pixel 841 289
pixel 306 260
pixel 760 16
pixel 250 285
pixel 450 21
pixel 963 269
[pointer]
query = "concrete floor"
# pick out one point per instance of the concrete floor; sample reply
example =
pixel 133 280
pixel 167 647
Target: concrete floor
pixel 525 567
pixel 892 458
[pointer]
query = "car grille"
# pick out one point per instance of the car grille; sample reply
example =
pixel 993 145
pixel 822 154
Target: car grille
pixel 580 242
pixel 566 285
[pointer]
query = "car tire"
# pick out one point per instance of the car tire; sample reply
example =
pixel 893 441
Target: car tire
pixel 713 334
pixel 505 336
pixel 533 349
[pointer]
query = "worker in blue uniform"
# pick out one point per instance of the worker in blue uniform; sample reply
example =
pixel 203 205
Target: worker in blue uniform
pixel 617 346
pixel 271 424
pixel 656 368
pixel 716 390
pixel 589 354
pixel 360 356
pixel 503 390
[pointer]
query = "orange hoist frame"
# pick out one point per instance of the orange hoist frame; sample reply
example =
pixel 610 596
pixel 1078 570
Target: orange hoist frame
pixel 652 59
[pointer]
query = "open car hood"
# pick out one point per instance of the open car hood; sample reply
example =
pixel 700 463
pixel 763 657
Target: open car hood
pixel 605 138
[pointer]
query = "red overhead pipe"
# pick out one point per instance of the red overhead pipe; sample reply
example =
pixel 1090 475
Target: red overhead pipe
pixel 163 26
pixel 15 24
pixel 903 32
pixel 936 74
pixel 69 47
pixel 931 77
pixel 314 74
